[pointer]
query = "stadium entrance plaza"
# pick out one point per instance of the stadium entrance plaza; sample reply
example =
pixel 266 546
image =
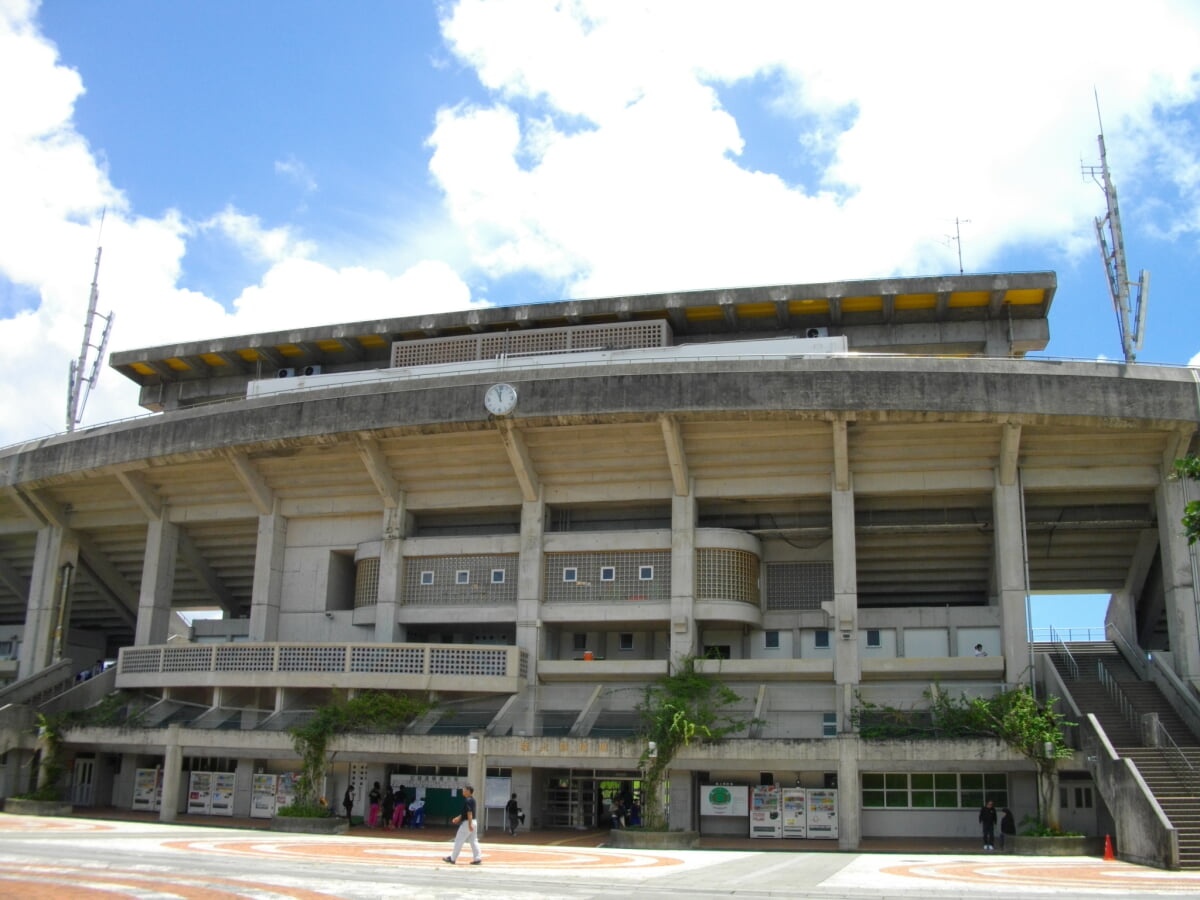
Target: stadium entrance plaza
pixel 137 857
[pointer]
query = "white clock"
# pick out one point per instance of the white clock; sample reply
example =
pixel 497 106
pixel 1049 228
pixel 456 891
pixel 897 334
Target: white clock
pixel 500 399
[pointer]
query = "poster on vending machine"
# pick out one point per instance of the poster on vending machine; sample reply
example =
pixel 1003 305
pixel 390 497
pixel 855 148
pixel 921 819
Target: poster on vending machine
pixel 822 813
pixel 764 812
pixel 223 784
pixel 795 812
pixel 262 796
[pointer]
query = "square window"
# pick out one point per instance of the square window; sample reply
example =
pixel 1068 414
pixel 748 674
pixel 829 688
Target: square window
pixel 626 640
pixel 771 640
pixel 872 799
pixel 579 641
pixel 497 576
pixel 608 573
pixel 462 576
pixel 921 781
pixel 874 641
pixel 922 799
pixel 426 578
pixel 872 781
pixel 896 781
pixel 570 576
pixel 645 573
pixel 821 639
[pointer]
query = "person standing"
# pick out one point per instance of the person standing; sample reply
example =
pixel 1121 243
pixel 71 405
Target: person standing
pixel 1007 826
pixel 374 797
pixel 512 811
pixel 387 808
pixel 399 808
pixel 466 829
pixel 348 801
pixel 987 818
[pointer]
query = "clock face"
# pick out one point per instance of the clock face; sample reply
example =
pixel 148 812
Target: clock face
pixel 500 399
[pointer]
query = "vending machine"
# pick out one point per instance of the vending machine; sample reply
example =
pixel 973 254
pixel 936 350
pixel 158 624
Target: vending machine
pixel 822 813
pixel 262 796
pixel 147 789
pixel 795 812
pixel 223 785
pixel 764 812
pixel 200 793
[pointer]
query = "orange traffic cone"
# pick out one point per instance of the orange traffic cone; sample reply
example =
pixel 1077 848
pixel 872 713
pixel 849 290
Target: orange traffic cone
pixel 1109 856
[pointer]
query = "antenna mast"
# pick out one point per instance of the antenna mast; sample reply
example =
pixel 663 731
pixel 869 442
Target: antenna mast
pixel 1115 269
pixel 79 386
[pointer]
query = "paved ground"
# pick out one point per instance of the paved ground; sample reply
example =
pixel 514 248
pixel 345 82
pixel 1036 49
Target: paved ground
pixel 93 857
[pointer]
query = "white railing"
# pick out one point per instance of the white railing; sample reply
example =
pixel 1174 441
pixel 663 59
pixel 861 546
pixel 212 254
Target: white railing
pixel 1181 767
pixel 1072 666
pixel 1058 633
pixel 350 659
pixel 1118 697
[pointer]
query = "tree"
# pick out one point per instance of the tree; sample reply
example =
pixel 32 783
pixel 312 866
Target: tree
pixel 371 711
pixel 678 709
pixel 1189 467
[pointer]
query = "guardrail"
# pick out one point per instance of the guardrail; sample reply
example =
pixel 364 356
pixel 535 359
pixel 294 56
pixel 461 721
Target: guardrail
pixel 41 686
pixel 1055 633
pixel 1181 767
pixel 1119 698
pixel 1072 666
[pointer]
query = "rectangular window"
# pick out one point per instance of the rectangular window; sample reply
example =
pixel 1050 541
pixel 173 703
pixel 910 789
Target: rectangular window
pixel 829 724
pixel 717 651
pixel 874 641
pixel 497 576
pixel 462 576
pixel 645 573
pixel 608 573
pixel 940 790
pixel 570 575
pixel 579 641
pixel 771 640
pixel 821 639
pixel 1083 798
pixel 626 640
pixel 426 578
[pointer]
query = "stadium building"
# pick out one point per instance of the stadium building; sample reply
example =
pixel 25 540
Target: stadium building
pixel 834 492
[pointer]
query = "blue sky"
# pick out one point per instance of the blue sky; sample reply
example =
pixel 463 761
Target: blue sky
pixel 276 164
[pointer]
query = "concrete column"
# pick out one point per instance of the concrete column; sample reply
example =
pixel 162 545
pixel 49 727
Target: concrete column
pixel 685 630
pixel 388 629
pixel 267 592
pixel 844 628
pixel 158 582
pixel 172 773
pixel 53 549
pixel 849 793
pixel 1008 568
pixel 243 794
pixel 477 773
pixel 529 583
pixel 680 794
pixel 1179 590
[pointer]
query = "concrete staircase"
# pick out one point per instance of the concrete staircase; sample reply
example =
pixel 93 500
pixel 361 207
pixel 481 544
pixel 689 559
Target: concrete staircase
pixel 1168 777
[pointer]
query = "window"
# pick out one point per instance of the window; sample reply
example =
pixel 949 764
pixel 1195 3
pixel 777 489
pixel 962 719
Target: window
pixel 874 642
pixel 718 651
pixel 821 639
pixel 426 578
pixel 771 640
pixel 571 576
pixel 626 640
pixel 608 573
pixel 829 724
pixel 932 790
pixel 462 576
pixel 645 573
pixel 579 641
pixel 497 576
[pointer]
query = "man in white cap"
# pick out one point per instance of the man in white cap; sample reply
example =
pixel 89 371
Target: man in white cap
pixel 466 829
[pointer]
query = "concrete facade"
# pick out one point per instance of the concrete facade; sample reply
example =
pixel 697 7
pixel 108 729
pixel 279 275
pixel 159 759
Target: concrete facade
pixel 835 527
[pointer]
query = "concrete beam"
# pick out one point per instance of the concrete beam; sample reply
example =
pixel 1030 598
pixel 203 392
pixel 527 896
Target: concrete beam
pixel 256 486
pixel 14 580
pixel 142 493
pixel 1010 450
pixel 518 457
pixel 194 559
pixel 676 454
pixel 379 470
pixel 841 456
pixel 120 605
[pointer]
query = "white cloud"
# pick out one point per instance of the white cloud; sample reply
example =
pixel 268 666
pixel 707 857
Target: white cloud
pixel 54 189
pixel 927 111
pixel 297 172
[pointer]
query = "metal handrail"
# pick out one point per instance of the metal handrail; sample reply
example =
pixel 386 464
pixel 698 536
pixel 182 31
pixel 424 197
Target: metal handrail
pixel 1135 657
pixel 1072 666
pixel 1118 697
pixel 1185 773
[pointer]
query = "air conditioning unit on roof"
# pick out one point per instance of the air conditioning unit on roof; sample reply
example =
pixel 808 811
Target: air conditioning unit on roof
pixel 286 373
pixel 816 332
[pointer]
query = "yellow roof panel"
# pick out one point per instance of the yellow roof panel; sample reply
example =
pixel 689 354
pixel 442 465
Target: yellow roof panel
pixel 178 364
pixel 703 313
pixel 808 307
pixel 755 310
pixel 964 299
pixel 1027 297
pixel 862 304
pixel 916 301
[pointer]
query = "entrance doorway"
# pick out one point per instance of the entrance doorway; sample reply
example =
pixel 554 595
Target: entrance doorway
pixel 583 798
pixel 83 783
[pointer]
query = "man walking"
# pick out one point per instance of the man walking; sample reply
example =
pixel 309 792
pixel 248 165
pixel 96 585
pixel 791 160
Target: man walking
pixel 466 829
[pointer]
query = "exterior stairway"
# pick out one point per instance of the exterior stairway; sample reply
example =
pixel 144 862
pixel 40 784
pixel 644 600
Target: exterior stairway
pixel 1173 784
